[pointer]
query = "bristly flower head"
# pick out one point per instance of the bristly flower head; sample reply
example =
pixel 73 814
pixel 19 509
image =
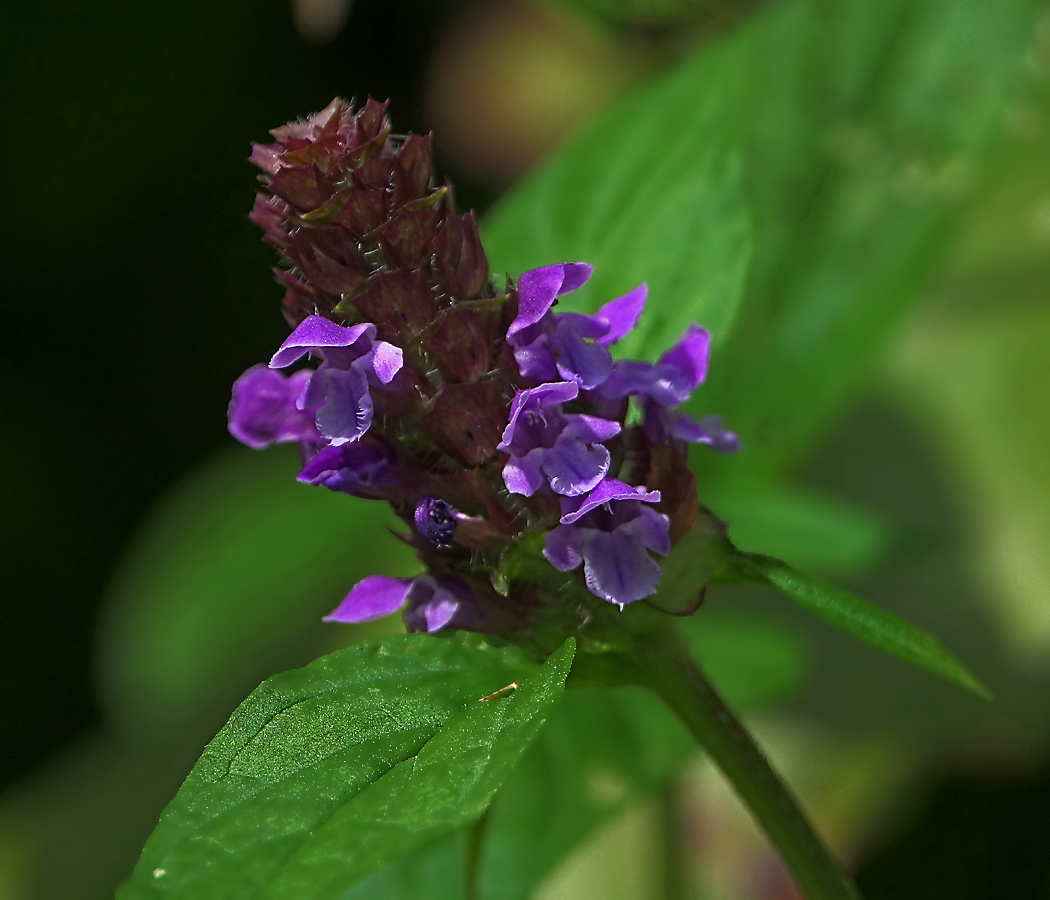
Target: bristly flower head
pixel 485 419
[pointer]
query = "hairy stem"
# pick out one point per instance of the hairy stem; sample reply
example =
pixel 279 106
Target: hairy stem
pixel 672 674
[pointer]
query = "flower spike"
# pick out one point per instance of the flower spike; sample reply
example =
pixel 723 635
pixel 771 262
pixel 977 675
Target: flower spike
pixel 482 416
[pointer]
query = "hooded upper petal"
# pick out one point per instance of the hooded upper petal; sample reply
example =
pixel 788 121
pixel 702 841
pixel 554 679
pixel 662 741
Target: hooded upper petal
pixel 539 288
pixel 318 333
pixel 608 490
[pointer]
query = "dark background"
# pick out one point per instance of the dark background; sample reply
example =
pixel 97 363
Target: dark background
pixel 136 289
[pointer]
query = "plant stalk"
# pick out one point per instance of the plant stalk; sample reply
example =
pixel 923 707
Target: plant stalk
pixel 675 677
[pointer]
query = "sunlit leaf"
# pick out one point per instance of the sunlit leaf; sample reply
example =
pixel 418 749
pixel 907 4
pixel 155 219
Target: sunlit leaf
pixel 325 773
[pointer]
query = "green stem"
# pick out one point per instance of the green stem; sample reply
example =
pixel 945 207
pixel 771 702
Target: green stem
pixel 672 674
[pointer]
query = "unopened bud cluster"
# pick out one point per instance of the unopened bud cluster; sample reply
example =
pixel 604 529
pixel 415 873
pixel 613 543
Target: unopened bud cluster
pixel 489 422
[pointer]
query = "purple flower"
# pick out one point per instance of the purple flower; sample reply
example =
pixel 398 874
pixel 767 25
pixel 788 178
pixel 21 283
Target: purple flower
pixel 539 288
pixel 432 602
pixel 662 424
pixel 567 346
pixel 435 521
pixel 672 379
pixel 361 469
pixel 338 392
pixel 666 384
pixel 263 408
pixel 545 444
pixel 611 533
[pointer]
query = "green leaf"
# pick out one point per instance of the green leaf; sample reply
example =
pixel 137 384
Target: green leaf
pixel 652 191
pixel 863 620
pixel 326 773
pixel 227 581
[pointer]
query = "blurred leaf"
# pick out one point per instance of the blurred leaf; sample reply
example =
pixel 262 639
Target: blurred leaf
pixel 870 125
pixel 652 191
pixel 325 773
pixel 752 662
pixel 812 530
pixel 227 580
pixel 972 371
pixel 863 620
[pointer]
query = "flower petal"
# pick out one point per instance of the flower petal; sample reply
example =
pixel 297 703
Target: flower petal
pixel 652 528
pixel 536 361
pixel 346 412
pixel 316 332
pixel 608 490
pixel 573 466
pixel 587 363
pixel 263 410
pixel 439 611
pixel 538 289
pixel 372 598
pixel 433 602
pixel 359 469
pixel 617 567
pixel 689 359
pixel 622 314
pixel 536 398
pixel 524 474
pixel 386 361
pixel 592 429
pixel 628 377
pixel 563 547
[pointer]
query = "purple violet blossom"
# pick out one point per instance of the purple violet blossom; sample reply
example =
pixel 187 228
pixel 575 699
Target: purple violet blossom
pixel 611 533
pixel 538 289
pixel 362 469
pixel 338 392
pixel 667 383
pixel 568 346
pixel 263 408
pixel 432 602
pixel 546 444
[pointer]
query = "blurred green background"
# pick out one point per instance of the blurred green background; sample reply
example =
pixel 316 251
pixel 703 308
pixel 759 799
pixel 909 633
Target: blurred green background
pixel 855 197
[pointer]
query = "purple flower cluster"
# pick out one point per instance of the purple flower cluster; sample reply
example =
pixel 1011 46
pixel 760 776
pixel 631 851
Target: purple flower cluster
pixel 482 416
